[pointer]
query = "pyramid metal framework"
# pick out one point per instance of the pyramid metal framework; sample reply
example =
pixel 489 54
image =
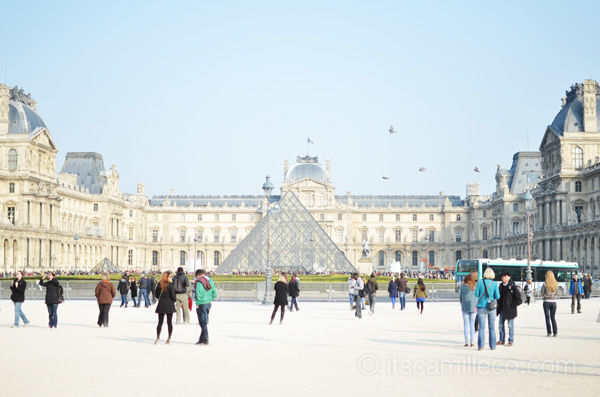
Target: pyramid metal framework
pixel 106 266
pixel 298 244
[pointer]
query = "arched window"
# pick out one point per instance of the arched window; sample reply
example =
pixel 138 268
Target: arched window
pixel 12 160
pixel 217 258
pixel 432 258
pixel 398 256
pixel 577 158
pixel 415 258
pixel 381 258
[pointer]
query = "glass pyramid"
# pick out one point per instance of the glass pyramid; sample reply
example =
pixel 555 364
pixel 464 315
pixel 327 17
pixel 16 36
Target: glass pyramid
pixel 106 266
pixel 298 244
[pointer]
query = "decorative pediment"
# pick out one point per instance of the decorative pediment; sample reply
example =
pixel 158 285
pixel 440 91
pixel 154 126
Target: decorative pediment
pixel 42 137
pixel 550 137
pixel 307 183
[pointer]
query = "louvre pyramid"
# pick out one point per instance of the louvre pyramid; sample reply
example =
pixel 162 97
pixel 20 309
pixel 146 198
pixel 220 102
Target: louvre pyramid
pixel 106 266
pixel 298 244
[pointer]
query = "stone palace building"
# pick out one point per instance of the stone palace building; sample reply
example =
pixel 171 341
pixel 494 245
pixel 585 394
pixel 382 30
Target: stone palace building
pixel 75 218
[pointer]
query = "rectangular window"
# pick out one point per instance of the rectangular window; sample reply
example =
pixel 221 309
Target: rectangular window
pixel 398 234
pixel 233 217
pixel 364 235
pixel 458 217
pixel 181 258
pixel 414 217
pixel 339 217
pixel 130 213
pixel 579 213
pixel 198 238
pixel 340 236
pixel 11 215
pixel 182 236
pixel 516 207
pixel 11 187
pixel 154 258
pixel 233 236
pixel 397 217
pixel 432 236
pixel 155 235
pixel 216 217
pixel 364 217
pixel 431 217
pixel 217 236
pixel 199 217
pixel 381 235
pixel 484 233
pixel 95 207
pixel 130 257
pixel 322 217
pixel 415 235
pixel 458 235
pixel 130 233
pixel 484 213
pixel 380 217
pixel 578 186
pixel 515 227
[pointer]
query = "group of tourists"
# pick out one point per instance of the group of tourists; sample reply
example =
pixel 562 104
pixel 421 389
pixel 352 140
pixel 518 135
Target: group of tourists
pixel 129 285
pixel 282 290
pixel 54 297
pixel 484 300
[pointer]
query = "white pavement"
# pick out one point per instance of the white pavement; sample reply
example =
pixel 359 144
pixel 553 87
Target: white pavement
pixel 320 351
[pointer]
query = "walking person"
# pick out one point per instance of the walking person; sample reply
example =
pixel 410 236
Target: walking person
pixel 351 285
pixel 52 297
pixel 134 291
pixel 372 288
pixel 549 293
pixel 152 287
pixel 487 292
pixel 576 291
pixel 17 295
pixel 510 298
pixel 362 293
pixel 468 307
pixel 145 286
pixel 294 291
pixel 180 285
pixel 105 292
pixel 204 292
pixel 587 286
pixel 528 291
pixel 280 301
pixel 420 294
pixel 166 304
pixel 358 291
pixel 124 289
pixel 403 289
pixel 393 291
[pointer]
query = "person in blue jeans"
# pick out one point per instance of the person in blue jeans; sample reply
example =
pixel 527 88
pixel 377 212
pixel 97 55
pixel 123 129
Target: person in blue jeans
pixel 486 291
pixel 51 297
pixel 204 292
pixel 467 305
pixel 510 298
pixel 402 284
pixel 18 287
pixel 144 286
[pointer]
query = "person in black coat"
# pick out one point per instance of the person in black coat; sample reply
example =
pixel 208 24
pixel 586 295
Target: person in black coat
pixel 123 289
pixel 281 292
pixel 166 304
pixel 510 298
pixel 294 291
pixel 18 287
pixel 51 297
pixel 134 291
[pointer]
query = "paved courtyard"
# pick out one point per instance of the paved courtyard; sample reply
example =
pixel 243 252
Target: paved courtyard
pixel 320 351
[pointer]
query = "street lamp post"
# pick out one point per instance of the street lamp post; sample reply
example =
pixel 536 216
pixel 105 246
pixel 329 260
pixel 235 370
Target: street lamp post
pixel 268 188
pixel 528 198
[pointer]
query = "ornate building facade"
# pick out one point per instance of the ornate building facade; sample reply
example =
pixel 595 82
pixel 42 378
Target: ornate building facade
pixel 78 217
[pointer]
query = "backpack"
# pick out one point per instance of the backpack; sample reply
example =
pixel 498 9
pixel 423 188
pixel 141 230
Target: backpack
pixel 60 292
pixel 178 284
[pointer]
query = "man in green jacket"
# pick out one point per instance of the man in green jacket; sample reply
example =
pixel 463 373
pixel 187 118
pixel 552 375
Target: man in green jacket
pixel 205 293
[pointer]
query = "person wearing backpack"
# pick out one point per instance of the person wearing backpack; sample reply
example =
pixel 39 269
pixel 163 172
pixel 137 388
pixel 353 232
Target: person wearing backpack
pixel 180 285
pixel 18 287
pixel 53 297
pixel 487 292
pixel 204 292
pixel 371 291
pixel 510 298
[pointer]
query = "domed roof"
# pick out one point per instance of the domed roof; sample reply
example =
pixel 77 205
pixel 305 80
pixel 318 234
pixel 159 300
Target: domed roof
pixel 306 167
pixel 570 117
pixel 22 116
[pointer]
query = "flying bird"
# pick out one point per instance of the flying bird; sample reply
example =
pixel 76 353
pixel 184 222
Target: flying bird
pixel 422 169
pixel 476 170
pixel 385 177
pixel 392 130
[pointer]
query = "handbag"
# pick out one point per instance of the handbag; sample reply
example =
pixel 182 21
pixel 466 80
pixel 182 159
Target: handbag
pixel 492 304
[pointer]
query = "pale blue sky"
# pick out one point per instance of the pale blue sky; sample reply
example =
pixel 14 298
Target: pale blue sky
pixel 209 97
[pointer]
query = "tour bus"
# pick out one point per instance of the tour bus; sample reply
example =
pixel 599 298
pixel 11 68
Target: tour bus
pixel 563 271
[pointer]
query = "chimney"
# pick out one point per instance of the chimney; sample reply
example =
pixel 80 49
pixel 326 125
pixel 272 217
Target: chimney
pixel 4 98
pixel 286 167
pixel 590 119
